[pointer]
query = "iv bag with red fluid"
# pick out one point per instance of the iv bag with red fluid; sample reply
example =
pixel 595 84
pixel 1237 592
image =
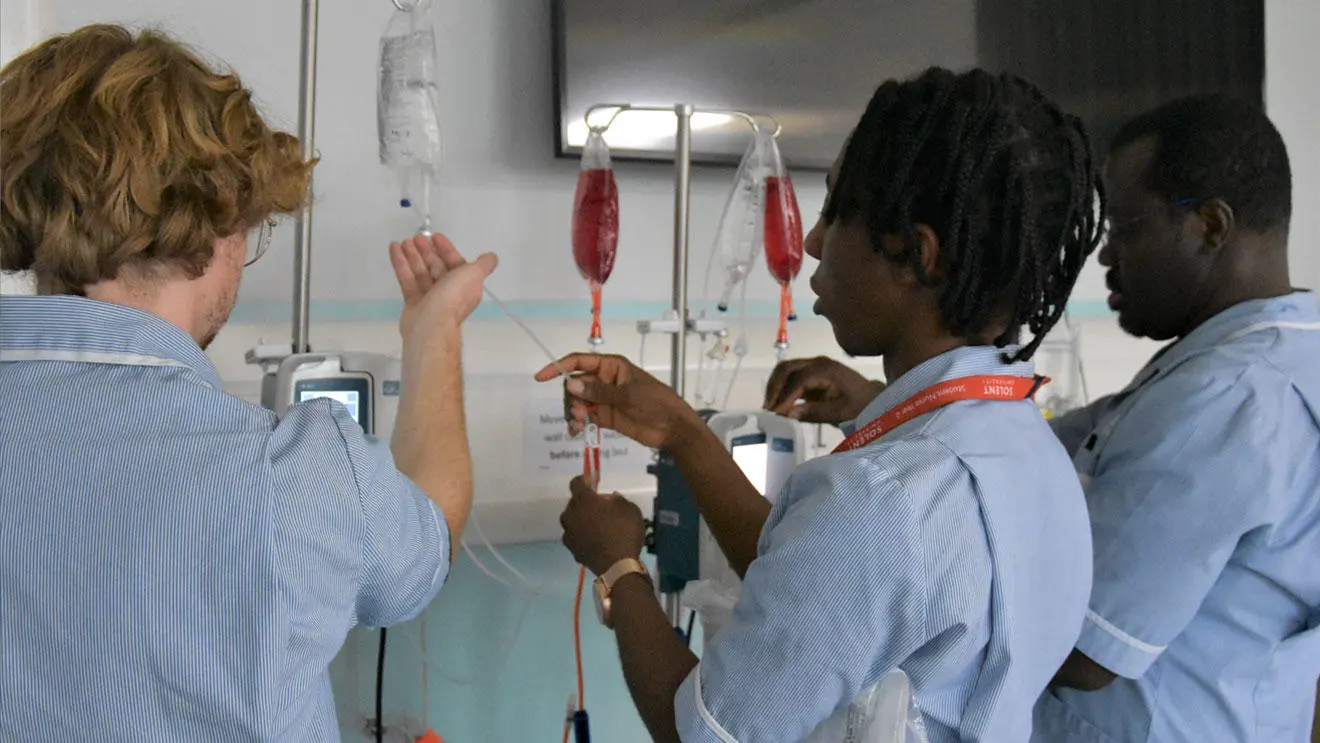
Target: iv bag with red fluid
pixel 595 222
pixel 782 233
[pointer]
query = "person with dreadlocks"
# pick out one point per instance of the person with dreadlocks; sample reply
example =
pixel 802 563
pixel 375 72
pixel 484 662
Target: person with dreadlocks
pixel 947 537
pixel 1202 475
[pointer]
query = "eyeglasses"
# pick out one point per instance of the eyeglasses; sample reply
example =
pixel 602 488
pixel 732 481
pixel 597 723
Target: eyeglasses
pixel 1123 227
pixel 257 247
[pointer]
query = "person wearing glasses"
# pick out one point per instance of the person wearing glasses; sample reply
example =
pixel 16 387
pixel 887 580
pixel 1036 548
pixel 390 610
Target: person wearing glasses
pixel 1202 476
pixel 176 563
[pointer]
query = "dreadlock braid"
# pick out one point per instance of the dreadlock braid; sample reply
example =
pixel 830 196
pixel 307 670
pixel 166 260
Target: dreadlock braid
pixel 1004 177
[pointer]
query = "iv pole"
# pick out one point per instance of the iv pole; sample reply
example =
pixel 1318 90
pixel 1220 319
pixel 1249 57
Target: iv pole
pixel 302 236
pixel 682 200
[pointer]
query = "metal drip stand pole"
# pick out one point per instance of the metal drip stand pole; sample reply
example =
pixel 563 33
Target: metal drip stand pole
pixel 302 236
pixel 682 201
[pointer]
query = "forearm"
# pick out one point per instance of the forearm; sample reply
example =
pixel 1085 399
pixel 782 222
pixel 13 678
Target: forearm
pixel 1081 673
pixel 655 661
pixel 732 507
pixel 430 443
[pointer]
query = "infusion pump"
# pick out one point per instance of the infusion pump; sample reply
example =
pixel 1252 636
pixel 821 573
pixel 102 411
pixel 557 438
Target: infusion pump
pixel 366 384
pixel 767 448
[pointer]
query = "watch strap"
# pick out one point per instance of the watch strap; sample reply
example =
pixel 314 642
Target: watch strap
pixel 626 566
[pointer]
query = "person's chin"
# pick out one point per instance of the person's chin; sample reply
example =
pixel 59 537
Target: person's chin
pixel 849 345
pixel 1132 324
pixel 217 323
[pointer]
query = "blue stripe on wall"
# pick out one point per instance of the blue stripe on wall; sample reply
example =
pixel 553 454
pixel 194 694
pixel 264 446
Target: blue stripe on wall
pixel 263 311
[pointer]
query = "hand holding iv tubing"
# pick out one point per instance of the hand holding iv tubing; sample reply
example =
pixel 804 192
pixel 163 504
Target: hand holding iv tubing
pixel 626 399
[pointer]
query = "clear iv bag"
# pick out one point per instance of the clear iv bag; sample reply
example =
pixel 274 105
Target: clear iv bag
pixel 407 105
pixel 782 232
pixel 886 712
pixel 595 222
pixel 737 242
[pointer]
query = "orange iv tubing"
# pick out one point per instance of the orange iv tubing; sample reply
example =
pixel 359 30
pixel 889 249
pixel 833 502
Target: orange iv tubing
pixel 591 470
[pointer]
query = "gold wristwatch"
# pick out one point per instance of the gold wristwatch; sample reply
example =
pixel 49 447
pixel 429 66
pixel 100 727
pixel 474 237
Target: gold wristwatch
pixel 605 584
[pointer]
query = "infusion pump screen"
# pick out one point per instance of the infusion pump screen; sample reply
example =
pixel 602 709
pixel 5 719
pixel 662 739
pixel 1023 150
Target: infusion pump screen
pixel 766 463
pixel 752 458
pixel 354 393
pixel 347 398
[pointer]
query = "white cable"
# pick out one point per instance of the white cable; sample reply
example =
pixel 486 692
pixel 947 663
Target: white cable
pixel 740 348
pixel 476 526
pixel 715 382
pixel 504 653
pixel 467 548
pixel 701 366
pixel 737 365
pixel 476 522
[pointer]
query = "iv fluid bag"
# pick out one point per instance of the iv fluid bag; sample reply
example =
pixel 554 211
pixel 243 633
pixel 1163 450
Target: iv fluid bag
pixel 783 221
pixel 595 213
pixel 886 712
pixel 407 103
pixel 783 236
pixel 736 239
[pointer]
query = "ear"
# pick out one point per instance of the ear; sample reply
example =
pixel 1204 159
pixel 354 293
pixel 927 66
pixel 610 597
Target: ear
pixel 929 244
pixel 928 248
pixel 1216 223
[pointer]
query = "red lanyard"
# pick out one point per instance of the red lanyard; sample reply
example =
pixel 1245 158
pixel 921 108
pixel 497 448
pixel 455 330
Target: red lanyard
pixel 988 387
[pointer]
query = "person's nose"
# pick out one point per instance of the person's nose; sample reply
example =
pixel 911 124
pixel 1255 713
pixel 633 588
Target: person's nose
pixel 1106 254
pixel 815 238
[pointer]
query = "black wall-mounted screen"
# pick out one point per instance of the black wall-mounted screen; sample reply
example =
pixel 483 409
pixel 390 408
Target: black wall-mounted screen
pixel 815 63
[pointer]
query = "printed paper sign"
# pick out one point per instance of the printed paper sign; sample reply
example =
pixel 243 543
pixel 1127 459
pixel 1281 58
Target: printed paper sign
pixel 549 450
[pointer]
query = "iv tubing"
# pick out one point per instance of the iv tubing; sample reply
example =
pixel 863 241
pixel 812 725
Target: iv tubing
pixel 740 343
pixel 554 360
pixel 476 526
pixel 482 567
pixel 503 656
pixel 577 635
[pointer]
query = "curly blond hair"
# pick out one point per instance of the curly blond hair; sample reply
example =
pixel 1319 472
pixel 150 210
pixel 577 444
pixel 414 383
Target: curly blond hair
pixel 123 152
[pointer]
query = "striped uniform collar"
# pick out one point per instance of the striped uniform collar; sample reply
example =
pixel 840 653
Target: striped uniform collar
pixel 63 327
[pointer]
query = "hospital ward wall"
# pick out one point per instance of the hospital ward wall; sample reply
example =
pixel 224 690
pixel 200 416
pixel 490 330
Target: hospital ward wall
pixel 498 662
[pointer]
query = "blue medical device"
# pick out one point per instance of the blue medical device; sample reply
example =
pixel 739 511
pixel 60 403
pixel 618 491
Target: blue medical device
pixel 766 446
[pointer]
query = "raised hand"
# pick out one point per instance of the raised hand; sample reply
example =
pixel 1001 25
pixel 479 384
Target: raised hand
pixel 819 390
pixel 438 284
